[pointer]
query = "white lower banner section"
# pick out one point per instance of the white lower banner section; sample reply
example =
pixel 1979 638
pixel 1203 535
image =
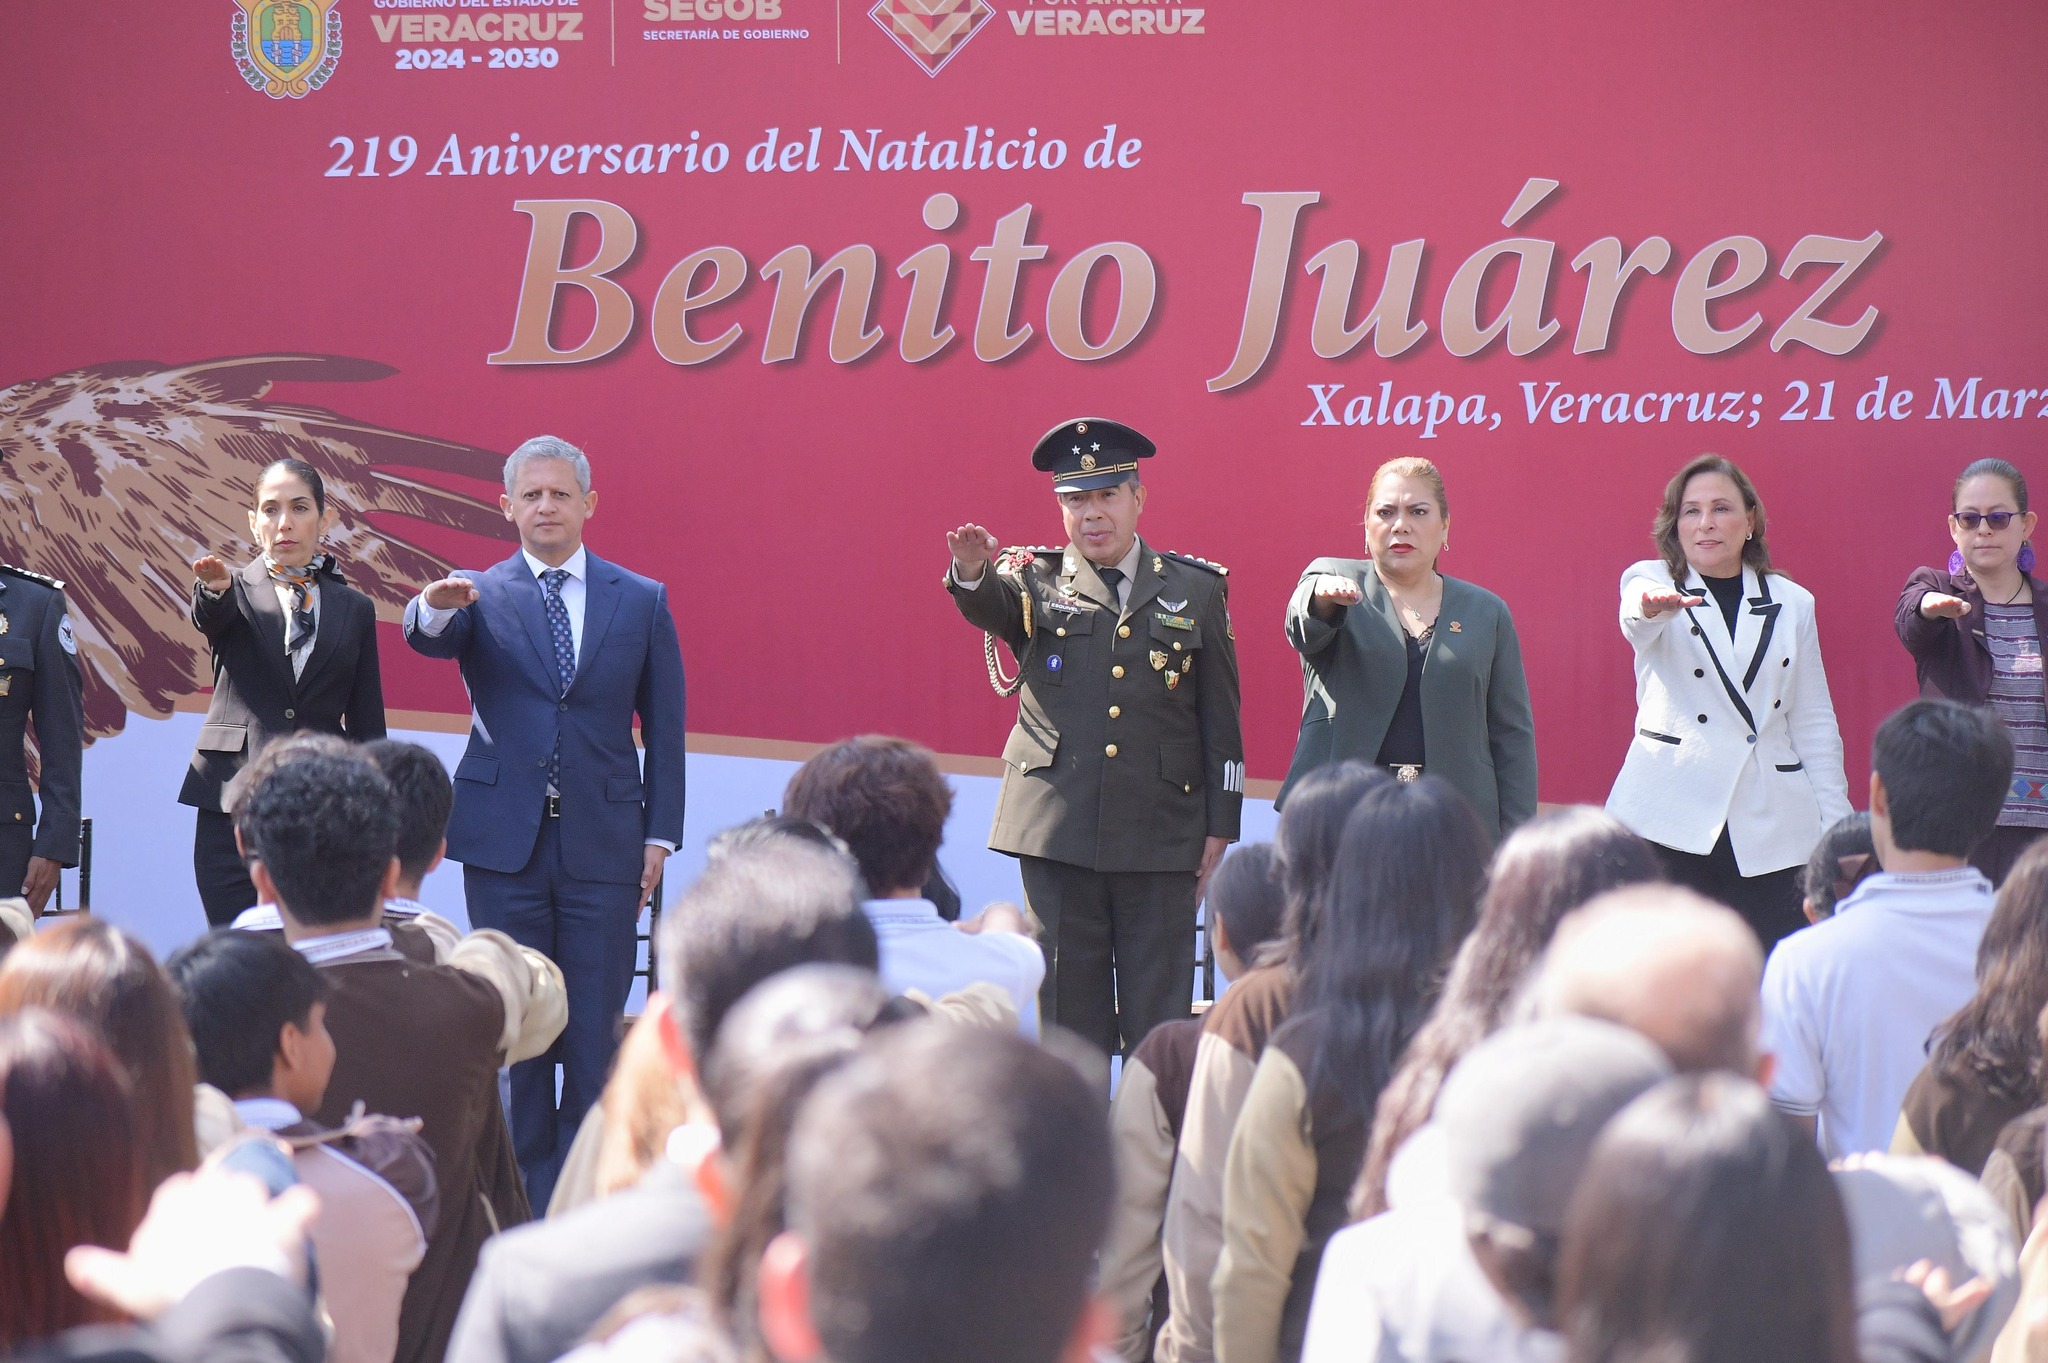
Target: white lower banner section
pixel 142 837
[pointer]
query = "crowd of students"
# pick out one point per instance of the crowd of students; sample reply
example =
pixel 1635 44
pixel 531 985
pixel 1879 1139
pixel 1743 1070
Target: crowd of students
pixel 1458 1104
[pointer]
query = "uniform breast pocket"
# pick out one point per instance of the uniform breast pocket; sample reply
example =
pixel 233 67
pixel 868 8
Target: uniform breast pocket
pixel 1174 642
pixel 16 652
pixel 1059 641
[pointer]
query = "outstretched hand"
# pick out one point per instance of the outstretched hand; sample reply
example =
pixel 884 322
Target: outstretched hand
pixel 450 593
pixel 971 547
pixel 1954 1303
pixel 211 572
pixel 198 1225
pixel 997 918
pixel 1331 594
pixel 1942 606
pixel 1341 590
pixel 1664 602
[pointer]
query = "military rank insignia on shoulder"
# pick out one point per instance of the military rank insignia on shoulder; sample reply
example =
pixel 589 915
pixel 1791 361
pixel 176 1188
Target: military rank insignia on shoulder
pixel 1202 563
pixel 50 582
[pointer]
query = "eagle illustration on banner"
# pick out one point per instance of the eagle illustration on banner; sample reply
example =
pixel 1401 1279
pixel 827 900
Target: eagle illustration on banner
pixel 116 477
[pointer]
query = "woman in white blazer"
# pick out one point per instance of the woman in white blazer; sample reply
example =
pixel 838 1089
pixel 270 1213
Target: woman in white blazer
pixel 1735 767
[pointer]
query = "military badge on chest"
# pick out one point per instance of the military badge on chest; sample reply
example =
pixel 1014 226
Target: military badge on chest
pixel 1163 663
pixel 1175 665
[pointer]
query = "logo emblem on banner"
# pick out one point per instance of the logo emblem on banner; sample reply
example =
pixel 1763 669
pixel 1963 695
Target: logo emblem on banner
pixel 932 31
pixel 286 48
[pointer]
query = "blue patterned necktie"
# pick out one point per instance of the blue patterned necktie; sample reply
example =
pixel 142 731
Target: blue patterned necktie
pixel 565 655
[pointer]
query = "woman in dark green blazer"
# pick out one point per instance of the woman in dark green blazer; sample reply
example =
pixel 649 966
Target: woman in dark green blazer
pixel 1410 669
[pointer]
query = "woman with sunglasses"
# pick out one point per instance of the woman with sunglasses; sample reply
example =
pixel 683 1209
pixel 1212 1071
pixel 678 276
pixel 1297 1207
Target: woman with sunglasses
pixel 1975 634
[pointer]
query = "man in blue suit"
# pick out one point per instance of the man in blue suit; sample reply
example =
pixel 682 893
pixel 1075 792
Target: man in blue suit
pixel 560 835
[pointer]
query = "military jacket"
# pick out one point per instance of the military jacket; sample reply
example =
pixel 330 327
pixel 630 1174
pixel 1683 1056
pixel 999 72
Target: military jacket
pixel 1127 751
pixel 40 680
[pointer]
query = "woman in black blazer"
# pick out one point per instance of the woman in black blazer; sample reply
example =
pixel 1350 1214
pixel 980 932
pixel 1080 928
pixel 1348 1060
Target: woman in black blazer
pixel 1408 668
pixel 294 647
pixel 1978 633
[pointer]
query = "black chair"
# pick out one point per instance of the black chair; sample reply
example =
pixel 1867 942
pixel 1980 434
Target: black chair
pixel 648 942
pixel 84 874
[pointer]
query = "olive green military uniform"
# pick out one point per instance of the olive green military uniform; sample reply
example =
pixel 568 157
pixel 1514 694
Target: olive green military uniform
pixel 1127 755
pixel 39 680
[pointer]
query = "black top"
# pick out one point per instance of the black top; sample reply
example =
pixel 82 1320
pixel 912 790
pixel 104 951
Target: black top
pixel 1728 595
pixel 1403 744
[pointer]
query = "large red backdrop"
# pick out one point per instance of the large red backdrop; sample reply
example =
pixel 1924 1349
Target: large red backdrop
pixel 1884 159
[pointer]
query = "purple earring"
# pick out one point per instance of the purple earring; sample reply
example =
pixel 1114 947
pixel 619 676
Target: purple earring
pixel 1955 564
pixel 2027 557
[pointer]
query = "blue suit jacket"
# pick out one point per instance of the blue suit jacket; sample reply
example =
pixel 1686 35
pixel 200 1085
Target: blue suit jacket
pixel 630 663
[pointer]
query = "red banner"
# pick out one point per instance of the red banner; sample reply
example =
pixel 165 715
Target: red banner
pixel 807 279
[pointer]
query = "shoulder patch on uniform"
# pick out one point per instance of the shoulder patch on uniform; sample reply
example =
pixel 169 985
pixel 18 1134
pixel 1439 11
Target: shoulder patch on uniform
pixel 1201 563
pixel 12 571
pixel 66 639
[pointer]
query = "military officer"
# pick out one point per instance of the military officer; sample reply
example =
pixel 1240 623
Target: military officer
pixel 39 680
pixel 1124 778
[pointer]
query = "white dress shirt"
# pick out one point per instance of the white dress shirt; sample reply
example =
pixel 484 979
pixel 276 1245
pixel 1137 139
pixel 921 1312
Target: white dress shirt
pixel 1403 1287
pixel 305 649
pixel 922 951
pixel 267 1114
pixel 285 596
pixel 335 946
pixel 1127 565
pixel 266 918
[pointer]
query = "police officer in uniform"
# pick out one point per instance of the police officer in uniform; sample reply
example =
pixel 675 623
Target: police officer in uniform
pixel 1124 778
pixel 39 680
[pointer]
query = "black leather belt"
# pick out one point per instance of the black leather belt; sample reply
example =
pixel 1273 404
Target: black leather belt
pixel 551 807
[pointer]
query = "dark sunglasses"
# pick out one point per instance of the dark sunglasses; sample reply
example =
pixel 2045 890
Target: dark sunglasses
pixel 1970 520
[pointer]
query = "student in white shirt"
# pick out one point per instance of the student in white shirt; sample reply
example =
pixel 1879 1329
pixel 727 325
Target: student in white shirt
pixel 887 800
pixel 1849 1003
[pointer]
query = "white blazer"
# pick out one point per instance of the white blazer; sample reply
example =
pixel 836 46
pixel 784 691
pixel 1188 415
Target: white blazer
pixel 1737 731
